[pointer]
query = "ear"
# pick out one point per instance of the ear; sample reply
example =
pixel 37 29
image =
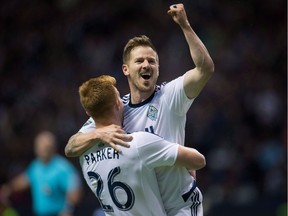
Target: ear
pixel 125 69
pixel 88 113
pixel 118 105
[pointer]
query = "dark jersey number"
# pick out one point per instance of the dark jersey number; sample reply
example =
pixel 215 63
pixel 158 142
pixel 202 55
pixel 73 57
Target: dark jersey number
pixel 112 187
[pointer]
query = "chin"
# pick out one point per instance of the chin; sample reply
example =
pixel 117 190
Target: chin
pixel 148 88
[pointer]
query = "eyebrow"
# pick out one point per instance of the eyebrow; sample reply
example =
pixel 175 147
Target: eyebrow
pixel 149 58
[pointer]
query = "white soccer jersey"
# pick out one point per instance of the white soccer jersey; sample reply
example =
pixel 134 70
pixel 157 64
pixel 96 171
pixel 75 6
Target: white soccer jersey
pixel 125 183
pixel 164 113
pixel 152 114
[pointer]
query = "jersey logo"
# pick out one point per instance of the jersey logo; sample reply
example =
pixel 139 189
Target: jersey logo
pixel 152 113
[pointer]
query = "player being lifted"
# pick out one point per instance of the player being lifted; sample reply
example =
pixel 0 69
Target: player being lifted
pixel 125 183
pixel 158 109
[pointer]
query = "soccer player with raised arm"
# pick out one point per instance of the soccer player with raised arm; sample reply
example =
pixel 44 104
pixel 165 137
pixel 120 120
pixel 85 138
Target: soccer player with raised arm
pixel 125 183
pixel 157 109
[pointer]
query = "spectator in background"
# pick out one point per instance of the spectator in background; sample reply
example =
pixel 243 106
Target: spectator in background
pixel 55 184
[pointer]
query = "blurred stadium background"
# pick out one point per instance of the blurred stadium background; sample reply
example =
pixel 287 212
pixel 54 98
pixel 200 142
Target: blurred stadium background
pixel 48 48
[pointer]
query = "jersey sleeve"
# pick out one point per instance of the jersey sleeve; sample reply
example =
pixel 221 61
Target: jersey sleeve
pixel 154 151
pixel 88 126
pixel 174 96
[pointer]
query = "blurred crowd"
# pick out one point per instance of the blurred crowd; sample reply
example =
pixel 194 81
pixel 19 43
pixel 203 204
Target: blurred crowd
pixel 239 121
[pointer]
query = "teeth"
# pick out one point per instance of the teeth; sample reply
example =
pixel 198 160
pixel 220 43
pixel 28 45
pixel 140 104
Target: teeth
pixel 146 74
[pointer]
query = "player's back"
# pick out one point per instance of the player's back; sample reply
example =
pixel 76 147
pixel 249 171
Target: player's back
pixel 125 183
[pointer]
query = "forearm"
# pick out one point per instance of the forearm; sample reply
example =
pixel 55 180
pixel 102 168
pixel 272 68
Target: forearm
pixel 18 184
pixel 112 135
pixel 198 51
pixel 195 79
pixel 79 143
pixel 190 158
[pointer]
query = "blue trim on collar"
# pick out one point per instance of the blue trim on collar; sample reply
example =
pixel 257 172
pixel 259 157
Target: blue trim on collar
pixel 142 103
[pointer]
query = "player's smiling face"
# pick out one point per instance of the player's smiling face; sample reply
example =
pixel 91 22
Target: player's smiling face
pixel 142 69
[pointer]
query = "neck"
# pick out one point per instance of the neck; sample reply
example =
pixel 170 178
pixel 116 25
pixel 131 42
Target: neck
pixel 137 97
pixel 106 122
pixel 46 160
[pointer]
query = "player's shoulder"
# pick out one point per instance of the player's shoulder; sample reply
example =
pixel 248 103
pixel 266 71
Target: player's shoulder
pixel 175 81
pixel 61 161
pixel 88 126
pixel 159 87
pixel 34 164
pixel 165 86
pixel 89 122
pixel 144 136
pixel 126 98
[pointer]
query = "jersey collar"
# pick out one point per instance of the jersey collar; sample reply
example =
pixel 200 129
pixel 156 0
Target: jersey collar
pixel 143 102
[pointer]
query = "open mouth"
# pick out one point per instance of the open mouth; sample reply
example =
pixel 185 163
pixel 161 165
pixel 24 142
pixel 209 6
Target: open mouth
pixel 146 76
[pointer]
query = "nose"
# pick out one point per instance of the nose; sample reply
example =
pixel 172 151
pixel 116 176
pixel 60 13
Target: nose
pixel 145 64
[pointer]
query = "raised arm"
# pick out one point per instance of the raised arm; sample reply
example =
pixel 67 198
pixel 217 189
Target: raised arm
pixel 112 135
pixel 195 79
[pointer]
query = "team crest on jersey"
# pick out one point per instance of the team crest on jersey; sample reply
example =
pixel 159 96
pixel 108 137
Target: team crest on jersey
pixel 152 113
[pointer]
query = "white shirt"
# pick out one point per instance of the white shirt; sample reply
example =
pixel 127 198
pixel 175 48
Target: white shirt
pixel 125 183
pixel 164 114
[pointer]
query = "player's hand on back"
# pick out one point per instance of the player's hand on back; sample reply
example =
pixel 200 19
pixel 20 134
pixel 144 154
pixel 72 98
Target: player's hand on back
pixel 114 136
